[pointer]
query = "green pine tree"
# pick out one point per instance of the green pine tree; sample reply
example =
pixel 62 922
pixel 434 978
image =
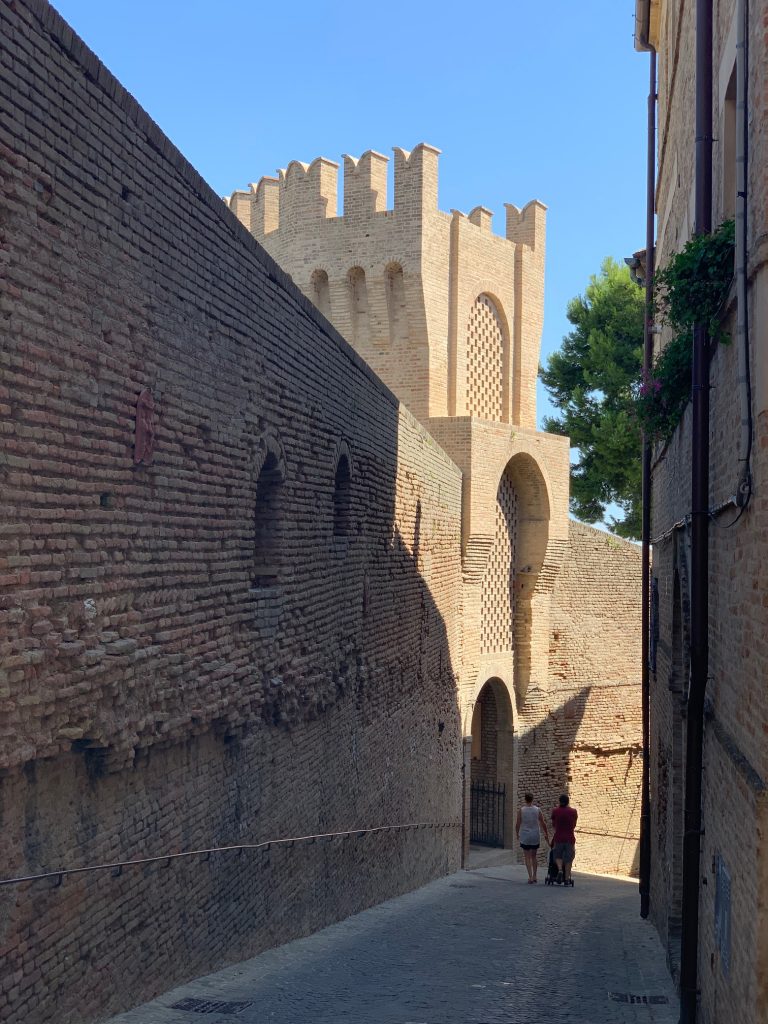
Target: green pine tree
pixel 590 380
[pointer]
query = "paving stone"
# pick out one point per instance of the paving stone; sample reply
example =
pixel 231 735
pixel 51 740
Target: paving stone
pixel 477 947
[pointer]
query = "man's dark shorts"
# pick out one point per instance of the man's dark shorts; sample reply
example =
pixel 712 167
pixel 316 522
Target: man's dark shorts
pixel 564 852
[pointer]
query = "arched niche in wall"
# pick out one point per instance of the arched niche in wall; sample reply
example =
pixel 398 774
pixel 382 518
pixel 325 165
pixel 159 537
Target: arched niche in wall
pixel 321 292
pixel 493 765
pixel 268 513
pixel 342 492
pixel 532 508
pixel 487 354
pixel 491 714
pixel 397 308
pixel 358 307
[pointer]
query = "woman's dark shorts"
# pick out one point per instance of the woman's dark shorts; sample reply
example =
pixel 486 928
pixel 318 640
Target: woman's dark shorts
pixel 530 846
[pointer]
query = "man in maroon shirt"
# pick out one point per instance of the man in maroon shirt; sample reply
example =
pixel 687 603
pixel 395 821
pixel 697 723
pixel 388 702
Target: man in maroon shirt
pixel 564 839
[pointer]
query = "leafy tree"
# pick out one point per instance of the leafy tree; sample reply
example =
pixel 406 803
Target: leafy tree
pixel 591 381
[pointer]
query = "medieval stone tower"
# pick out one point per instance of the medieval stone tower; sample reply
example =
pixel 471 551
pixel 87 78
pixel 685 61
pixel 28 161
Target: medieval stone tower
pixel 449 314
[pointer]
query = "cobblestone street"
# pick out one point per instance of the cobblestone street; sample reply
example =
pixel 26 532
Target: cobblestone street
pixel 478 947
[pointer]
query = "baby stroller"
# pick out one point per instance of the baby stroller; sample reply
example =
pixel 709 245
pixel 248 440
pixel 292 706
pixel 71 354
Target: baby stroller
pixel 552 872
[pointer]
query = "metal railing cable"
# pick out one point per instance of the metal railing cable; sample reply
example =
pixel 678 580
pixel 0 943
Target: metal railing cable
pixel 117 866
pixel 605 835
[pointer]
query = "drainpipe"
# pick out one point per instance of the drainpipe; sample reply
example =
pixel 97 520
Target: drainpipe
pixel 699 544
pixel 744 487
pixel 645 807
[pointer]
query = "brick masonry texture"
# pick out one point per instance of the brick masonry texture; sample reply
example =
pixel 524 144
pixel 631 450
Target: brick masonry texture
pixel 191 655
pixel 244 587
pixel 583 734
pixel 733 972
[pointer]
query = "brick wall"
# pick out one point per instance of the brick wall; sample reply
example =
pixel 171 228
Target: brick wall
pixel 180 669
pixel 583 734
pixel 735 981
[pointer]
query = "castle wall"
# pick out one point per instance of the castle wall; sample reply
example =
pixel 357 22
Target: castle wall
pixel 448 261
pixel 205 640
pixel 571 662
pixel 733 946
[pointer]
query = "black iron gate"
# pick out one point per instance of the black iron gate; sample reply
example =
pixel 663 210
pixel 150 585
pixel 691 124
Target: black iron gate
pixel 486 813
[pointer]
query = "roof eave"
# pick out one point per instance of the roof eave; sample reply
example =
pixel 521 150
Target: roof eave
pixel 643 25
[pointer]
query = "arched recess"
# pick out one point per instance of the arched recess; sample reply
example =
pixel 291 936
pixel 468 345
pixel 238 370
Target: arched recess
pixel 487 360
pixel 358 307
pixel 321 292
pixel 530 583
pixel 268 513
pixel 493 758
pixel 342 492
pixel 397 309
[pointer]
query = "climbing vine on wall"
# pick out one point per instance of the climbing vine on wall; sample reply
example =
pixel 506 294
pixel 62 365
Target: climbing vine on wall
pixel 692 288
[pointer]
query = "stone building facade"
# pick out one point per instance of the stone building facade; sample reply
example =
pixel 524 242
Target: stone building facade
pixel 449 314
pixel 733 927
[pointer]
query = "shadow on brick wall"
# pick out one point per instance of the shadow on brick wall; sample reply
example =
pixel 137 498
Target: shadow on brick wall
pixel 564 752
pixel 215 634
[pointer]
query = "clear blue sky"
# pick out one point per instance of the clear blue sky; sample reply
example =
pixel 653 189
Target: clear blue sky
pixel 526 100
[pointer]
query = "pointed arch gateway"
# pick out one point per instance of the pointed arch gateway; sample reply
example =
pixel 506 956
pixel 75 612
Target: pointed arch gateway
pixel 512 642
pixel 516 567
pixel 493 780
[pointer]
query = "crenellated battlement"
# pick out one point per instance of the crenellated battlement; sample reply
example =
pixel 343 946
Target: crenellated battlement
pixel 446 310
pixel 303 194
pixel 527 225
pixel 365 184
pixel 416 179
pixel 308 191
pixel 482 217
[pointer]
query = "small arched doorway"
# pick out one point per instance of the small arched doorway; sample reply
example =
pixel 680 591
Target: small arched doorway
pixel 492 783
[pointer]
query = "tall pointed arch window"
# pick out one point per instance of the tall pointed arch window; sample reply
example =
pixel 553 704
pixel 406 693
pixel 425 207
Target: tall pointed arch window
pixel 268 515
pixel 486 341
pixel 358 306
pixel 397 312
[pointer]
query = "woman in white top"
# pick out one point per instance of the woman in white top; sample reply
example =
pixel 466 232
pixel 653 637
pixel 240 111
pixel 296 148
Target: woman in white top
pixel 529 822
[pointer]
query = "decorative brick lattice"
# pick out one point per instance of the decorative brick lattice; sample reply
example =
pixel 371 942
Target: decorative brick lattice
pixel 485 347
pixel 497 595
